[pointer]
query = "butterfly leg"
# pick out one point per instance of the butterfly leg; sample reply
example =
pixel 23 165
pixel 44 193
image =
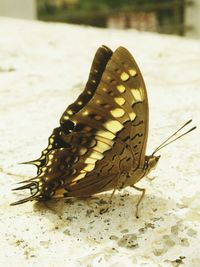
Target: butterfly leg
pixel 140 199
pixel 107 206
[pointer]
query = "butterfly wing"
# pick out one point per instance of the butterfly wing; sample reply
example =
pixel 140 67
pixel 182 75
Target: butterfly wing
pixel 55 141
pixel 103 133
pixel 116 118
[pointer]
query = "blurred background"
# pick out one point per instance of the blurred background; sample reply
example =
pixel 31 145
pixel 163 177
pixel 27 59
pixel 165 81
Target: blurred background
pixel 180 17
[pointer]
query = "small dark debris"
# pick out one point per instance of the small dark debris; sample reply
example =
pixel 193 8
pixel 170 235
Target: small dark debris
pixel 113 237
pixel 66 232
pixel 124 231
pixel 89 212
pixel 149 225
pixel 71 218
pixel 107 221
pixel 128 241
pixel 83 230
pixel 178 261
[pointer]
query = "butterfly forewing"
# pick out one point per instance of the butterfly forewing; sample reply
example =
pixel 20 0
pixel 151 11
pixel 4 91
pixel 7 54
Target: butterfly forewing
pixel 55 141
pixel 102 134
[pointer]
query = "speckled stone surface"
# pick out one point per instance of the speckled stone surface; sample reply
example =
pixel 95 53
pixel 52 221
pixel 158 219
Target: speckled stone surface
pixel 43 67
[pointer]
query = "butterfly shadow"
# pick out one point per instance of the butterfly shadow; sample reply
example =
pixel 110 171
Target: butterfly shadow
pixel 81 218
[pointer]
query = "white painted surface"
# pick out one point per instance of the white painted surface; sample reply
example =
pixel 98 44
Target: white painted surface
pixel 42 68
pixel 25 9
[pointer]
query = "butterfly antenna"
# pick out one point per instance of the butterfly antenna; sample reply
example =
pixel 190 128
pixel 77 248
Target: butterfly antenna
pixel 165 143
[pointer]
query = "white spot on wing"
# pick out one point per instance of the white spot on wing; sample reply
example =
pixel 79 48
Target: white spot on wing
pixel 96 155
pixel 137 94
pixel 132 115
pixel 121 88
pixel 119 100
pixel 90 161
pixel 132 72
pixel 85 113
pixel 124 76
pixel 88 168
pixel 70 112
pixel 106 134
pixel 113 126
pixel 117 112
pixel 80 176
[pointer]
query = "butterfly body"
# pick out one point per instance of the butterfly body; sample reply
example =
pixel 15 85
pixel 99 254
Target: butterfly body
pixel 100 144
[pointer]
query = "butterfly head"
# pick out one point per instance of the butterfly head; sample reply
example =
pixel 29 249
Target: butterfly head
pixel 150 163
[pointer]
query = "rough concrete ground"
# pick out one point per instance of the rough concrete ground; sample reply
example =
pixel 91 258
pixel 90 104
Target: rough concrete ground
pixel 43 67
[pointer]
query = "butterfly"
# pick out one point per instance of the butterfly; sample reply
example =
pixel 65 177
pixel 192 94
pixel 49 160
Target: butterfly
pixel 101 142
